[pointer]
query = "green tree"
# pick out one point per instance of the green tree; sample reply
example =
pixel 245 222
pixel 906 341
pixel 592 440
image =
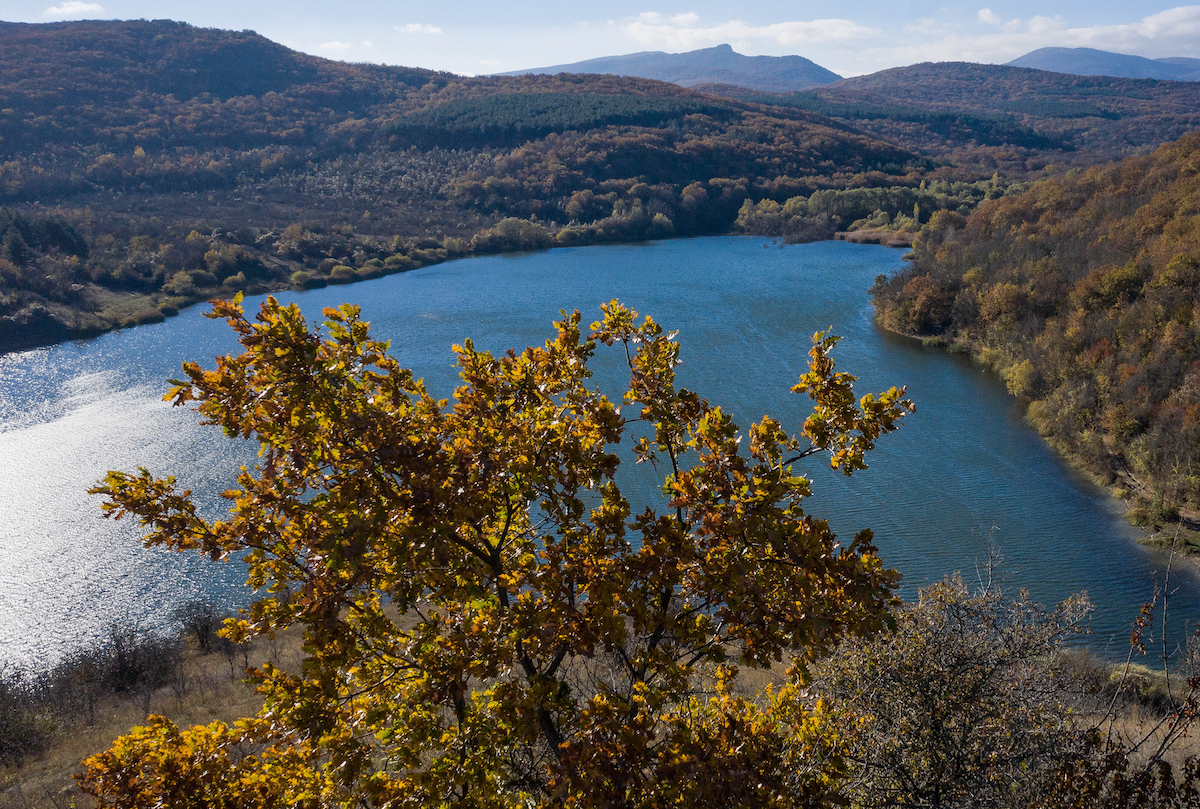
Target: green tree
pixel 486 619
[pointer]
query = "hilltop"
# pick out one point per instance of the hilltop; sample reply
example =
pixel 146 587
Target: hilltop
pixel 717 65
pixel 91 62
pixel 1092 62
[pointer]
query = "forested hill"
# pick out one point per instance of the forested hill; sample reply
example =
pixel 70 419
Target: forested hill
pixel 1092 62
pixel 184 162
pixel 94 62
pixel 717 65
pixel 1084 292
pixel 147 165
pixel 1011 119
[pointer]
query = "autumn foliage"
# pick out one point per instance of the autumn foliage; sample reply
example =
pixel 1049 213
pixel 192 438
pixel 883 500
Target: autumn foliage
pixel 487 619
pixel 1083 293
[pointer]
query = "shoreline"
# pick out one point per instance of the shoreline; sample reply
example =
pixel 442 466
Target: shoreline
pixel 888 238
pixel 44 325
pixel 1180 538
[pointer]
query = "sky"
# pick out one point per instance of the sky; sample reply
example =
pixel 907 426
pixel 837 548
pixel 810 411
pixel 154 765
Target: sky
pixel 482 36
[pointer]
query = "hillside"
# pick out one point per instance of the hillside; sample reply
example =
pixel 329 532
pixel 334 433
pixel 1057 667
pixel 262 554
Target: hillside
pixel 148 165
pixel 183 163
pixel 1084 293
pixel 1018 121
pixel 717 65
pixel 1092 62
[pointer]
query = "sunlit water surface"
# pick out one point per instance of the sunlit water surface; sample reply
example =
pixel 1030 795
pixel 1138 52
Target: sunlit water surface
pixel 963 468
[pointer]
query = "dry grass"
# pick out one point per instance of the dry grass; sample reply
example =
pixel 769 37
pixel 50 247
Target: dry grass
pixel 1140 724
pixel 209 690
pixel 1145 722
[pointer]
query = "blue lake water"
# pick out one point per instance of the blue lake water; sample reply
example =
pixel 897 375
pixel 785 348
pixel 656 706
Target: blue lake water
pixel 964 468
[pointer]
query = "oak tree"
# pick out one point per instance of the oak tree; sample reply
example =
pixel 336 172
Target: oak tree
pixel 487 619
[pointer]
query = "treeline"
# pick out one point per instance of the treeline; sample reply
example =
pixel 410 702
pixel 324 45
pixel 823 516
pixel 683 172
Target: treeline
pixel 987 129
pixel 54 285
pixel 1084 293
pixel 510 119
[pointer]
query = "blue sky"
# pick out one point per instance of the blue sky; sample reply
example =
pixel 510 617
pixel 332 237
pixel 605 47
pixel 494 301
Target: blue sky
pixel 849 38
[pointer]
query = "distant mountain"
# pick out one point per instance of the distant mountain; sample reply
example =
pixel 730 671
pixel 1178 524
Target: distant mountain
pixel 719 65
pixel 1091 62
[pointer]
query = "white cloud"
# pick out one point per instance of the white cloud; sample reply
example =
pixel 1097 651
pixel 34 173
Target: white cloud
pixel 683 32
pixel 1180 21
pixel 418 28
pixel 1039 26
pixel 1174 32
pixel 929 27
pixel 73 8
pixel 336 46
pixel 990 17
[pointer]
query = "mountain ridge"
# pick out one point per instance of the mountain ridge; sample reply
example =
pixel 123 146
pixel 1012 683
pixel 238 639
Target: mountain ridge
pixel 1093 62
pixel 717 65
pixel 982 118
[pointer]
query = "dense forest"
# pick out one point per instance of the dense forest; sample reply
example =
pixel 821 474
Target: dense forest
pixel 194 162
pixel 1084 293
pixel 984 118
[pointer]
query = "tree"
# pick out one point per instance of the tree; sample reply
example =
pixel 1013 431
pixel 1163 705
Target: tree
pixel 486 620
pixel 969 703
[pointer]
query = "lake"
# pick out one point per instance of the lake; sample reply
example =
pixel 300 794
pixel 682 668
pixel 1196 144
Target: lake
pixel 963 469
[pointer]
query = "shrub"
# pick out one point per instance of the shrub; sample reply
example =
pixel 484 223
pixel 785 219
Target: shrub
pixel 487 620
pixel 966 703
pixel 341 274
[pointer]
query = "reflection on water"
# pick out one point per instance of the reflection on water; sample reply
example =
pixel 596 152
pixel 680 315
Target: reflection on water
pixel 962 469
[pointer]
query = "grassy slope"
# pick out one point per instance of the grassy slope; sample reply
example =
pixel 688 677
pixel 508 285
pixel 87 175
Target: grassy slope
pixel 209 690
